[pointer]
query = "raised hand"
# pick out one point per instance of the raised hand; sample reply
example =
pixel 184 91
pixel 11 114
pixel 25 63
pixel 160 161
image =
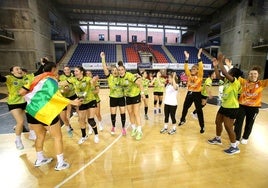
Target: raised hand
pixel 187 55
pixel 220 57
pixel 215 62
pixel 102 55
pixel 199 53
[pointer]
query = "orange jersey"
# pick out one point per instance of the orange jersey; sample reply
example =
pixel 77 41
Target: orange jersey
pixel 251 92
pixel 194 82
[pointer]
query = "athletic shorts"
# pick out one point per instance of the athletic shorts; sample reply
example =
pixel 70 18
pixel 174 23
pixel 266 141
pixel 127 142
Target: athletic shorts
pixel 71 98
pixel 91 104
pixel 114 102
pixel 133 100
pixel 228 112
pixel 32 120
pixel 158 93
pixel 15 106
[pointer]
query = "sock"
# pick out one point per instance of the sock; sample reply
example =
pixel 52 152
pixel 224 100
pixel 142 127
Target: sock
pixel 83 131
pixel 133 126
pixel 95 129
pixel 18 138
pixel 139 128
pixel 60 158
pixel 165 126
pixel 113 118
pixel 123 120
pixel 233 145
pixel 146 110
pixel 40 155
pixel 218 137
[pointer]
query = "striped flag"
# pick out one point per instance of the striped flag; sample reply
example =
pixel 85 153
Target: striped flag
pixel 45 102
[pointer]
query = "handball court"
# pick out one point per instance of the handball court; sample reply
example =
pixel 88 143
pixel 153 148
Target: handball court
pixel 184 159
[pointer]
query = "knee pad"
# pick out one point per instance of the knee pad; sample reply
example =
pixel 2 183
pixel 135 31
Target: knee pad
pixel 92 122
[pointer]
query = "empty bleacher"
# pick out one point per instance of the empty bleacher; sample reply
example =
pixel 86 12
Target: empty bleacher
pixel 90 53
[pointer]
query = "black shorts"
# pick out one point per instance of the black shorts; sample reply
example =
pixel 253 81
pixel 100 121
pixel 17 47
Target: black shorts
pixel 228 112
pixel 71 98
pixel 133 100
pixel 32 120
pixel 158 93
pixel 114 102
pixel 15 106
pixel 204 97
pixel 91 104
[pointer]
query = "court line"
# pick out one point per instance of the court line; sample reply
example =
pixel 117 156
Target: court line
pixel 89 163
pixel 94 159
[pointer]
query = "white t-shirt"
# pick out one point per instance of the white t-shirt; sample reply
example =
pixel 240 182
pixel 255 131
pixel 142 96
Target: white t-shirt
pixel 171 96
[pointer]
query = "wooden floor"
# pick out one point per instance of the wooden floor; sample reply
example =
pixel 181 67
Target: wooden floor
pixel 181 160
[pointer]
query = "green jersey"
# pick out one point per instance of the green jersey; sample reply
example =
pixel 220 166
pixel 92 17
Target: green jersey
pixel 93 88
pixel 67 91
pixel 116 91
pixel 145 84
pixel 230 94
pixel 208 83
pixel 159 84
pixel 130 88
pixel 83 88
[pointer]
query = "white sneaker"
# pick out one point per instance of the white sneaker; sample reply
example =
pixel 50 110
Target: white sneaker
pixel 32 135
pixel 62 166
pixel 194 115
pixel 42 162
pixel 90 130
pixel 244 141
pixel 82 140
pixel 96 139
pixel 100 127
pixel 19 145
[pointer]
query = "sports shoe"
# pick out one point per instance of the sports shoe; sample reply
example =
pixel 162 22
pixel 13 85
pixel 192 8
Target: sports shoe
pixel 19 145
pixel 194 115
pixel 62 166
pixel 244 141
pixel 138 135
pixel 181 123
pixel 100 127
pixel 112 131
pixel 146 117
pixel 215 141
pixel 90 130
pixel 164 130
pixel 32 135
pixel 96 139
pixel 231 150
pixel 42 162
pixel 172 131
pixel 124 133
pixel 70 133
pixel 133 132
pixel 82 140
pixel 159 111
pixel 155 111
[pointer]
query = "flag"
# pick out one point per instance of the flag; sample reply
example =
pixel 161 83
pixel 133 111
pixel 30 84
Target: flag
pixel 44 101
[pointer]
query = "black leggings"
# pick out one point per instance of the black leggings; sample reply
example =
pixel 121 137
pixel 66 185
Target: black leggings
pixel 193 97
pixel 170 110
pixel 250 113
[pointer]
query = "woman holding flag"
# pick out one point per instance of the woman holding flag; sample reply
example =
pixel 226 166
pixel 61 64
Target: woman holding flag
pixel 44 104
